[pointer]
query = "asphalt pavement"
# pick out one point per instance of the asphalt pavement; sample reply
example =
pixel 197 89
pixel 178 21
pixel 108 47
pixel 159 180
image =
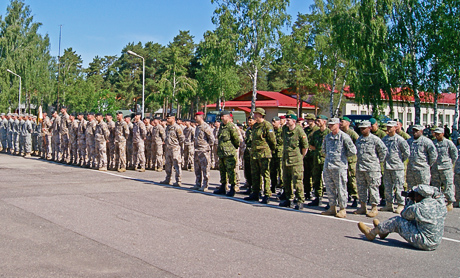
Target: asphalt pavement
pixel 64 221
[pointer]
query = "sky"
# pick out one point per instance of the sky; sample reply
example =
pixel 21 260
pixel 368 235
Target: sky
pixel 103 27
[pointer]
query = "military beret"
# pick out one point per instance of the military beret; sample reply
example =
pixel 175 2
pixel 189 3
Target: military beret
pixel 346 119
pixel 157 118
pixel 310 116
pixel 193 121
pixel 301 119
pixel 127 116
pixel 119 112
pixel 98 114
pixel 63 107
pixel 199 113
pixel 138 114
pixel 170 115
pixel 109 114
pixel 276 119
pixel 291 116
pixel 225 112
pixel 372 121
pixel 163 120
pixel 321 117
pixel 91 113
pixel 187 120
pixel 283 117
pixel 250 117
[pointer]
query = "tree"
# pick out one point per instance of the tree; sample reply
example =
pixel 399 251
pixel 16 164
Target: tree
pixel 258 24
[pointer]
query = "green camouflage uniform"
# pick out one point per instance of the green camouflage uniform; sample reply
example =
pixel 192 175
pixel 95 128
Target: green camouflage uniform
pixel 293 142
pixel 308 161
pixel 263 142
pixel 351 173
pixel 403 134
pixel 228 143
pixel 276 172
pixel 247 157
pixel 318 160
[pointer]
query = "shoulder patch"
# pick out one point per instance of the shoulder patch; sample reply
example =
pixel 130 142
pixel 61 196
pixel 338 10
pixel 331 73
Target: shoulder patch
pixel 270 130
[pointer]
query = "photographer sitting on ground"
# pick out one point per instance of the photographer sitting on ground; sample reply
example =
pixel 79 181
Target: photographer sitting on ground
pixel 421 222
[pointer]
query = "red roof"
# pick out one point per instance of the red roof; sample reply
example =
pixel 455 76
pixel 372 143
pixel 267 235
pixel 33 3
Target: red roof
pixel 264 99
pixel 406 95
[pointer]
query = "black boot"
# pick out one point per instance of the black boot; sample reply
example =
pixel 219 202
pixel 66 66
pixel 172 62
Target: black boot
pixel 327 206
pixel 355 202
pixel 314 203
pixel 285 203
pixel 253 197
pixel 298 206
pixel 231 193
pixel 265 199
pixel 282 196
pixel 220 191
pixel 248 192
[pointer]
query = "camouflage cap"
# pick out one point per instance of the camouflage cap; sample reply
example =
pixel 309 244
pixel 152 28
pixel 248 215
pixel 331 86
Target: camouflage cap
pixel 392 123
pixel 3 114
pixel 364 124
pixel 290 112
pixel 418 127
pixel 424 190
pixel 310 116
pixel 439 130
pixel 333 121
pixel 260 111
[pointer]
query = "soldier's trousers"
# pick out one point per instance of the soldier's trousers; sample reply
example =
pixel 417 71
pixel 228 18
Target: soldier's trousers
pixel 394 185
pixel 158 156
pixel 74 151
pixel 91 153
pixel 65 148
pixel 260 170
pixel 101 157
pixel 307 173
pixel 21 144
pixel 214 157
pixel 317 173
pixel 293 180
pixel 47 142
pixel 10 142
pixel 335 180
pixel 16 141
pixel 202 165
pixel 407 230
pixel 173 159
pixel 415 177
pixel 129 154
pixel 368 181
pixel 139 154
pixel 276 172
pixel 247 168
pixel 120 155
pixel 28 144
pixel 457 186
pixel 34 142
pixel 148 154
pixel 111 154
pixel 189 151
pixel 55 147
pixel 227 170
pixel 4 141
pixel 82 152
pixel 444 181
pixel 351 180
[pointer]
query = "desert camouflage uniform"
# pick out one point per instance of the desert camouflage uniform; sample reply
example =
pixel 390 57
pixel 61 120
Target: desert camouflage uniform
pixel 121 135
pixel 203 140
pixel 336 149
pixel 421 224
pixel 46 134
pixel 173 140
pixel 101 136
pixel 158 138
pixel 422 156
pixel 370 152
pixel 56 139
pixel 73 136
pixel 442 175
pixel 129 147
pixel 293 142
pixel 90 143
pixel 81 139
pixel 111 145
pixel 393 175
pixel 139 133
pixel 64 134
pixel 148 146
pixel 189 135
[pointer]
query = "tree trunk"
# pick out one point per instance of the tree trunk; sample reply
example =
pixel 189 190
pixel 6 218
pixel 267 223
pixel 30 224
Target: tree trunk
pixel 254 90
pixel 341 93
pixel 331 100
pixel 455 121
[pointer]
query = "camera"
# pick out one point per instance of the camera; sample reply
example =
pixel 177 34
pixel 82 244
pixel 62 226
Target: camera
pixel 408 194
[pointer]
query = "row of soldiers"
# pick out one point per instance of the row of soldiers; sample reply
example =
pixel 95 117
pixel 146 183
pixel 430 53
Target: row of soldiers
pixel 268 151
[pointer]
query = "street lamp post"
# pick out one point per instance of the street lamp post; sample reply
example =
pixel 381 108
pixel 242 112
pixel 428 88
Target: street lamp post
pixel 19 104
pixel 143 77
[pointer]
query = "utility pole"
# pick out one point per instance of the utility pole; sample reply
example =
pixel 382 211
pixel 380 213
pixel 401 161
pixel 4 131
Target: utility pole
pixel 59 68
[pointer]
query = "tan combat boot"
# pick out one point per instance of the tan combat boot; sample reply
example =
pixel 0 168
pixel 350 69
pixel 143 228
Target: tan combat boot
pixel 362 209
pixel 399 209
pixel 27 155
pixel 331 211
pixel 450 206
pixel 368 232
pixel 342 213
pixel 374 211
pixel 388 207
pixel 376 222
pixel 121 170
pixel 104 169
pixel 141 170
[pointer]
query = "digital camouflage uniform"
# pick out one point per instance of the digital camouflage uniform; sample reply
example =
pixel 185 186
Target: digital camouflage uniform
pixel 228 142
pixel 276 172
pixel 203 140
pixel 189 135
pixel 420 224
pixel 263 142
pixel 111 145
pixel 10 134
pixel 214 155
pixel 101 136
pixel 173 140
pixel 46 134
pixel 27 134
pixel 64 136
pixel 457 177
pixel 442 174
pixel 81 138
pixel 139 134
pixel 16 135
pixel 148 146
pixel 393 175
pixel 121 135
pixel 129 148
pixel 370 153
pixel 308 162
pixel 422 156
pixel 336 149
pixel 158 138
pixel 73 134
pixel 4 133
pixel 318 160
pixel 21 136
pixel 293 142
pixel 352 188
pixel 247 157
pixel 56 139
pixel 34 136
pixel 90 143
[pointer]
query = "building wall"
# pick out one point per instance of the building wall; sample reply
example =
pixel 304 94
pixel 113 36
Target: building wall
pixel 406 113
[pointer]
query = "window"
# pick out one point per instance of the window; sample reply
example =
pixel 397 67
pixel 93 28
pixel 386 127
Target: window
pixel 353 112
pixel 425 119
pixel 363 112
pixel 400 116
pixel 409 117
